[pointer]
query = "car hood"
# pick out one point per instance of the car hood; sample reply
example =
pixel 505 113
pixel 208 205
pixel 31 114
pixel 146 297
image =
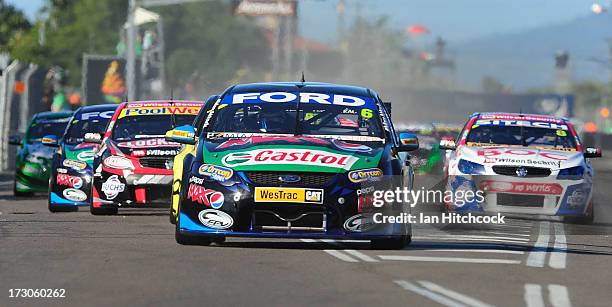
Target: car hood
pixel 81 152
pixel 147 147
pixel 521 156
pixel 301 154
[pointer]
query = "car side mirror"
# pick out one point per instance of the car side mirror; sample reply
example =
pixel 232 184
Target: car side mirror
pixel 182 135
pixel 592 152
pixel 14 140
pixel 408 142
pixel 447 145
pixel 92 137
pixel 50 140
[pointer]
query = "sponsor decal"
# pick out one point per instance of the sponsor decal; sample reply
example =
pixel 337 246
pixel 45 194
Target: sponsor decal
pixel 206 197
pixel 306 157
pixel 161 152
pixel 214 172
pixel 289 178
pixel 288 195
pixel 520 123
pixel 521 187
pixel 97 115
pixel 577 198
pixel 148 143
pixel 283 97
pixel 364 175
pixel 351 146
pixel 501 116
pixel 160 110
pixel 74 195
pixel 358 223
pixel 488 153
pixel 196 180
pixel 86 155
pixel 62 170
pixel 139 153
pixel 74 164
pixel 215 219
pixel 69 181
pixel 112 187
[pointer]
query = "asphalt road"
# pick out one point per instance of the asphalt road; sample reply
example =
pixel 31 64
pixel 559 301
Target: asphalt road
pixel 132 260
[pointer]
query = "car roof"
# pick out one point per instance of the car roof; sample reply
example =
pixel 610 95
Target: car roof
pixel 99 107
pixel 151 103
pixel 302 87
pixel 50 114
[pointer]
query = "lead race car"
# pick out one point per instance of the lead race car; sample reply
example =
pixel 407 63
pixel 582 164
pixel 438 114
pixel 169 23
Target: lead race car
pixel 72 170
pixel 292 160
pixel 133 167
pixel 524 164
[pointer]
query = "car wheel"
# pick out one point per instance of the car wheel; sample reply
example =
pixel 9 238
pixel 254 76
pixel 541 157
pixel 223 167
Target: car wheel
pixel 56 209
pixel 589 219
pixel 103 210
pixel 19 193
pixel 190 240
pixel 391 244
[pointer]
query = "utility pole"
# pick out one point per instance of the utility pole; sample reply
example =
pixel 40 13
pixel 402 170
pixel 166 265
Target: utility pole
pixel 131 52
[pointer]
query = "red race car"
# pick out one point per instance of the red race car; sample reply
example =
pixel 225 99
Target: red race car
pixel 133 167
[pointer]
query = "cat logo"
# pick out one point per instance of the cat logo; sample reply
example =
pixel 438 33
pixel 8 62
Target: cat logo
pixel 315 196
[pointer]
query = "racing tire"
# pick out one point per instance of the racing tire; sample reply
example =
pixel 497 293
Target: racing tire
pixel 586 220
pixel 171 218
pixel 391 244
pixel 55 209
pixel 218 240
pixel 190 240
pixel 103 211
pixel 20 194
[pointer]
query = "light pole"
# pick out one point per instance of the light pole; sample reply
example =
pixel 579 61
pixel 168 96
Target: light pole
pixel 131 52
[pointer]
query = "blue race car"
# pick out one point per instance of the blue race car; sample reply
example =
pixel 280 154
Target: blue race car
pixel 70 182
pixel 293 160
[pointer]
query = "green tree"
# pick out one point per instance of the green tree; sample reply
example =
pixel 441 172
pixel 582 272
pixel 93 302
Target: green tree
pixel 12 24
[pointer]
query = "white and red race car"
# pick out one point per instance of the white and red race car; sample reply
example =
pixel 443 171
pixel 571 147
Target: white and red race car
pixel 520 164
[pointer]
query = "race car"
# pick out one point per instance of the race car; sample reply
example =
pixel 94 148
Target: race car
pixel 33 160
pixel 71 172
pixel 188 149
pixel 133 167
pixel 293 160
pixel 522 164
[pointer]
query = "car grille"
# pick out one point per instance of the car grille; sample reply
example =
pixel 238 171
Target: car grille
pixel 160 163
pixel 531 171
pixel 306 179
pixel 516 200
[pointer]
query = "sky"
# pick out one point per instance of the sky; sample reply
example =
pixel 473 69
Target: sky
pixel 456 20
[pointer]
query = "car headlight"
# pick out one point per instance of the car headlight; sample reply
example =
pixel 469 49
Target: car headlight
pixel 576 172
pixel 118 162
pixel 469 167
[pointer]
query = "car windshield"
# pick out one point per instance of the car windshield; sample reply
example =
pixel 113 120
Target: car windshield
pixel 139 127
pixel 43 127
pixel 521 136
pixel 280 118
pixel 78 128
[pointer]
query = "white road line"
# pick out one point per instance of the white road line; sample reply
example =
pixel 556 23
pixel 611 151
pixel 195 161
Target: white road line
pixel 340 255
pixel 336 253
pixel 558 296
pixel 493 237
pixel 360 255
pixel 428 294
pixel 533 295
pixel 469 239
pixel 493 251
pixel 506 233
pixel 537 256
pixel 470 301
pixel 447 259
pixel 6 182
pixel 558 256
